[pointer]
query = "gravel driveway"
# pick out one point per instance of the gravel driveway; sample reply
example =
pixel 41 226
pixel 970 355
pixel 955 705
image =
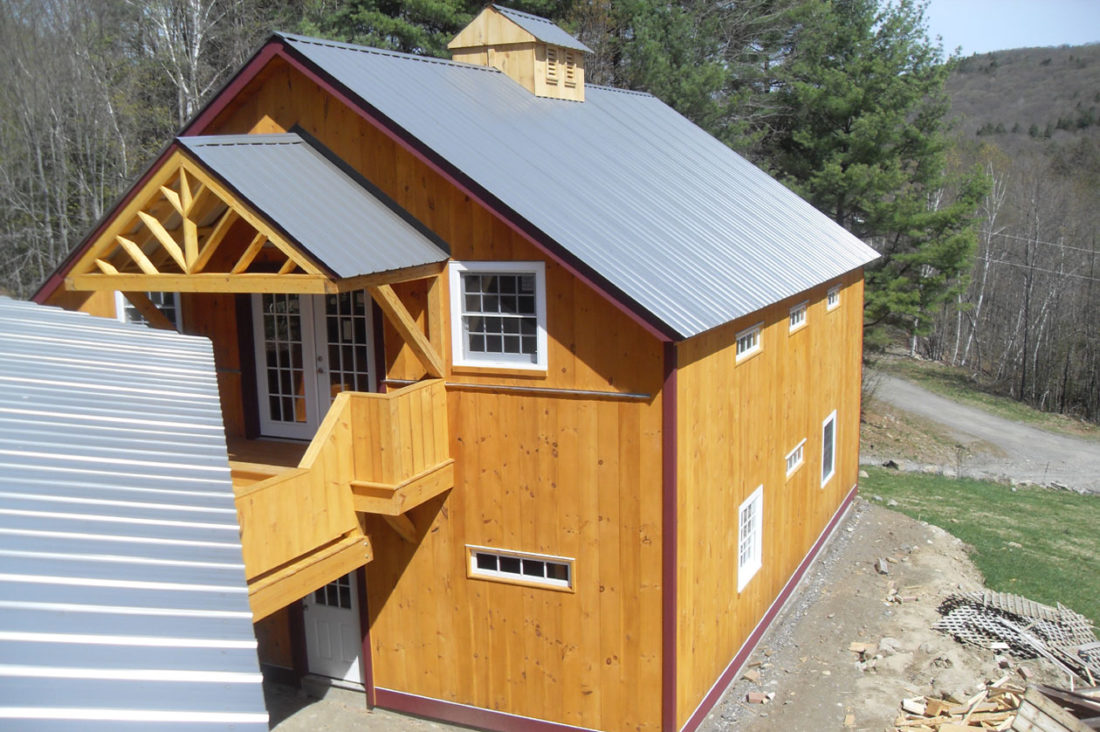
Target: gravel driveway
pixel 1026 453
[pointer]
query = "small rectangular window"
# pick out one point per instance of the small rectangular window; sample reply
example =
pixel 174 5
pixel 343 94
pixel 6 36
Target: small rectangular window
pixel 750 544
pixel 828 448
pixel 832 299
pixel 748 342
pixel 795 457
pixel 521 567
pixel 797 317
pixel 167 303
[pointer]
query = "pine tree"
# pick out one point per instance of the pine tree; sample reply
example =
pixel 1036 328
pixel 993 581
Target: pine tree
pixel 863 138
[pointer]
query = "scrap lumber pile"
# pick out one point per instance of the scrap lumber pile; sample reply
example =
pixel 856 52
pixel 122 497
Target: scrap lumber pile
pixel 1046 709
pixel 994 708
pixel 1000 621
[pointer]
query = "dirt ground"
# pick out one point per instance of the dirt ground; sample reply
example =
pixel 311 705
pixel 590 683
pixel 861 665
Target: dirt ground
pixel 805 659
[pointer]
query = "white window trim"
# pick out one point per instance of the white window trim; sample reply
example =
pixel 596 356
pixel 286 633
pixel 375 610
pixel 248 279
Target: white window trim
pixel 459 357
pixel 475 572
pixel 800 450
pixel 121 302
pixel 748 570
pixel 832 298
pixel 742 356
pixel 805 308
pixel 832 468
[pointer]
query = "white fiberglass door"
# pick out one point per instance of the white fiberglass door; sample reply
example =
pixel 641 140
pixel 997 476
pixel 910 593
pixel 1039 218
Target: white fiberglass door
pixel 308 350
pixel 333 641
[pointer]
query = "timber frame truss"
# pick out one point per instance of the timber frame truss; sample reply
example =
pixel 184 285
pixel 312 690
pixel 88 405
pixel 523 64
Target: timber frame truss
pixel 184 231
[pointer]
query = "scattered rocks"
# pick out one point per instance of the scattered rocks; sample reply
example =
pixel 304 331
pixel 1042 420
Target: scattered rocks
pixel 882 566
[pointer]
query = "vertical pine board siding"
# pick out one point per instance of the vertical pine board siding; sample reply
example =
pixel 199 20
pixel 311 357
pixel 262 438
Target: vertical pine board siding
pixel 736 424
pixel 555 475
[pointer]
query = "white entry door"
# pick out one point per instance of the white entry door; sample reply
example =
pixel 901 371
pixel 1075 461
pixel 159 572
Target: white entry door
pixel 333 640
pixel 308 350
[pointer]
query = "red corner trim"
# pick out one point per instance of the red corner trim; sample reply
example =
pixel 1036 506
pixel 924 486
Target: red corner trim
pixel 749 646
pixel 478 717
pixel 669 538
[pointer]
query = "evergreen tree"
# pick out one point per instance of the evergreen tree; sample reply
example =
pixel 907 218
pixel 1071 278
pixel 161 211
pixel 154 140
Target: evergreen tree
pixel 863 138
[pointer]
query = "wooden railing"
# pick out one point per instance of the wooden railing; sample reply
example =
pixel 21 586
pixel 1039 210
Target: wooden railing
pixel 374 453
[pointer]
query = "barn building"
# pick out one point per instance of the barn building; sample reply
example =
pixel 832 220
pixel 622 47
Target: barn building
pixel 538 399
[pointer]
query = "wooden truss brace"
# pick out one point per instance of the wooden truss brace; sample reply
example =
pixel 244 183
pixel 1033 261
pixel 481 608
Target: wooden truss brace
pixel 410 333
pixel 169 234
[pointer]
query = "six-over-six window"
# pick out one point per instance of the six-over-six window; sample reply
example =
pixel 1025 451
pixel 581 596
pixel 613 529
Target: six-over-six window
pixel 498 313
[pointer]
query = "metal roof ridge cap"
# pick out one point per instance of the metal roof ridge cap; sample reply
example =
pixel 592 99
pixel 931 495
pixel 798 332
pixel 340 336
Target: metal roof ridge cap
pixel 400 55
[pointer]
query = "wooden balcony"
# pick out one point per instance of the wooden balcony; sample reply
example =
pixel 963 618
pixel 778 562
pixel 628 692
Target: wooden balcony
pixel 374 453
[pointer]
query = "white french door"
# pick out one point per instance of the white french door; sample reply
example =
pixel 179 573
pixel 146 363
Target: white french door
pixel 333 640
pixel 309 348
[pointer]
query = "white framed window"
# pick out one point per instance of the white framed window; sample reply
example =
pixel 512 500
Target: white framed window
pixel 750 539
pixel 520 567
pixel 832 298
pixel 828 448
pixel 748 342
pixel 795 457
pixel 797 316
pixel 167 302
pixel 498 314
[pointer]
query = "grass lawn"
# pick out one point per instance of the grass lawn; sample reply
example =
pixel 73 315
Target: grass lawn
pixel 956 384
pixel 1039 543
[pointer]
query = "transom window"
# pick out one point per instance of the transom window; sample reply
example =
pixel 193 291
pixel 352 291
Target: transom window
pixel 498 312
pixel 798 316
pixel 828 448
pixel 748 342
pixel 795 457
pixel 832 298
pixel 335 594
pixel 522 567
pixel 750 544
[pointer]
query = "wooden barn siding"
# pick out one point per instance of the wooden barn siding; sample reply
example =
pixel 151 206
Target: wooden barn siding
pixel 558 475
pixel 736 424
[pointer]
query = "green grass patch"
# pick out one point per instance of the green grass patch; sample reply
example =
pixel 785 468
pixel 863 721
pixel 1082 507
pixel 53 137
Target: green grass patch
pixel 955 383
pixel 1036 542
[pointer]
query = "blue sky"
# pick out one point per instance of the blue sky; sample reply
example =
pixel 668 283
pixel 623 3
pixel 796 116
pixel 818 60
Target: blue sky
pixel 991 25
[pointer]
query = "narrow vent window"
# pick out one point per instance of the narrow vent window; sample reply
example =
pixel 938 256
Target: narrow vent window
pixel 552 64
pixel 748 342
pixel 521 567
pixel 570 68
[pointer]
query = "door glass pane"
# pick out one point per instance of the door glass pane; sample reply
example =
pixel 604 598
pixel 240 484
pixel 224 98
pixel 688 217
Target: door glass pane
pixel 347 327
pixel 283 356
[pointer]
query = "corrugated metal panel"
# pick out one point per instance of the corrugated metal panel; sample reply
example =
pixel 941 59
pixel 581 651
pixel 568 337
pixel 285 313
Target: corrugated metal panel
pixel 349 228
pixel 123 602
pixel 542 29
pixel 692 232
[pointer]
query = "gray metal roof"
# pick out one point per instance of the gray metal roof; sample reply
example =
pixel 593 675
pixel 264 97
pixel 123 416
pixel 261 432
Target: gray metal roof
pixel 690 231
pixel 542 29
pixel 123 602
pixel 340 220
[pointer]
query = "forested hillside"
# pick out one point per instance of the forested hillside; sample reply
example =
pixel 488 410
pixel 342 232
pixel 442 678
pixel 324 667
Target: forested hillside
pixel 1029 323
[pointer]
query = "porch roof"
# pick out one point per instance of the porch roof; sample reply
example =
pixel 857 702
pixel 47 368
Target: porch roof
pixel 344 222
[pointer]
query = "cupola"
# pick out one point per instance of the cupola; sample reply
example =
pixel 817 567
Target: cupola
pixel 533 51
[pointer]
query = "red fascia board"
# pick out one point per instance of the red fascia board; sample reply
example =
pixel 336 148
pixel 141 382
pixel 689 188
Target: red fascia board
pixel 439 165
pixel 669 538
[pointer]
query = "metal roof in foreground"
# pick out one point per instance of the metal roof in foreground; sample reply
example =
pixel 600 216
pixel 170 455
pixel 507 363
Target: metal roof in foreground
pixel 123 602
pixel 677 222
pixel 346 224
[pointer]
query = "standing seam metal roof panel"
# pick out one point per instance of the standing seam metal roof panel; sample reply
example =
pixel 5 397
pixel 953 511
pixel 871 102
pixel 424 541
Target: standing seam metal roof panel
pixel 688 229
pixel 123 601
pixel 347 227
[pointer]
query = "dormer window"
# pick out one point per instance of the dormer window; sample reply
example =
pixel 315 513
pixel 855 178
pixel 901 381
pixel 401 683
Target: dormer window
pixel 552 65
